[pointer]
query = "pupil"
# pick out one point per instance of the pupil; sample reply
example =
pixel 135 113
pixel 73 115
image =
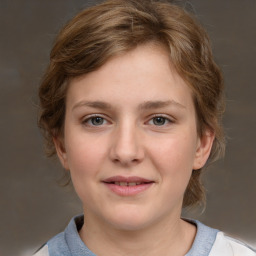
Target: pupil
pixel 97 120
pixel 159 120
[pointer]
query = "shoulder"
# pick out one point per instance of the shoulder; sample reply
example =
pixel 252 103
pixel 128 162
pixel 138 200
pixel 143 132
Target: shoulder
pixel 66 243
pixel 228 246
pixel 43 251
pixel 212 242
pixel 56 246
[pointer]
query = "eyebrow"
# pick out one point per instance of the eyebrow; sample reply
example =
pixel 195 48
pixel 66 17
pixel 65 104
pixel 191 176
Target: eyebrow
pixel 159 104
pixel 93 104
pixel 147 105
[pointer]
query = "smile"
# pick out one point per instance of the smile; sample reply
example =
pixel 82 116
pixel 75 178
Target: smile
pixel 127 183
pixel 127 186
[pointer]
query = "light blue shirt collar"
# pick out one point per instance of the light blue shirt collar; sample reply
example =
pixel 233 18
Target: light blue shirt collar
pixel 69 243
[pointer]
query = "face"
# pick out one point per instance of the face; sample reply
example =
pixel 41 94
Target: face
pixel 130 140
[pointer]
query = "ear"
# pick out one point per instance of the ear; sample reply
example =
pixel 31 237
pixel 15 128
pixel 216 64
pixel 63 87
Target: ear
pixel 203 150
pixel 61 151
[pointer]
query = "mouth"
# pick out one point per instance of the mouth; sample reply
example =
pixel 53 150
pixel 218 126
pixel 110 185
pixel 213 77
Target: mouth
pixel 130 184
pixel 127 186
pixel 127 181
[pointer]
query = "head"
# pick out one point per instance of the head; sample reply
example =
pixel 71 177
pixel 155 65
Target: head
pixel 116 27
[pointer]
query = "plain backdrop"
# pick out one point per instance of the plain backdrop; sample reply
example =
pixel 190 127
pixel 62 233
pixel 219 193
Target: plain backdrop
pixel 33 206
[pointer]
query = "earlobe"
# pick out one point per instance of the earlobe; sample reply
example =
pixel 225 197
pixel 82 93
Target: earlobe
pixel 61 151
pixel 203 149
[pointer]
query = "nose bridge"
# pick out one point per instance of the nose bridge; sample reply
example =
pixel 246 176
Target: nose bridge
pixel 126 147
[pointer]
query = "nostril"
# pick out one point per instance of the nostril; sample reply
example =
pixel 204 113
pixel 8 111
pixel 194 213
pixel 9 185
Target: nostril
pixel 126 161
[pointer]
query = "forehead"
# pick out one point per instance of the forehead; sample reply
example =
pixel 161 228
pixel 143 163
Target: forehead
pixel 143 74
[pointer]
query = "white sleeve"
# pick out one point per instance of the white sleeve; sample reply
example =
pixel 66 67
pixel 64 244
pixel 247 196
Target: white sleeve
pixel 227 246
pixel 43 251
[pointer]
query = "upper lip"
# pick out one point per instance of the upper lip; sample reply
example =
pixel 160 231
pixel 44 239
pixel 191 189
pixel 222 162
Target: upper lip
pixel 127 179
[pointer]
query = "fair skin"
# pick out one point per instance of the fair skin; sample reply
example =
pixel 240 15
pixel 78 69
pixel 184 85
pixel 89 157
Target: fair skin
pixel 133 121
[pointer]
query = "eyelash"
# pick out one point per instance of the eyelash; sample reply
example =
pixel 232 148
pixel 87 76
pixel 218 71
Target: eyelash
pixel 90 118
pixel 167 119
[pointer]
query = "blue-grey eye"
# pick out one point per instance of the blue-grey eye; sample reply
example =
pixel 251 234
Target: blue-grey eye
pixel 159 120
pixel 97 120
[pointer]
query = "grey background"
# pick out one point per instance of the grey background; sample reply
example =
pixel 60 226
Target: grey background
pixel 33 206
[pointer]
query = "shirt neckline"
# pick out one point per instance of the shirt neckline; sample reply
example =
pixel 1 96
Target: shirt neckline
pixel 202 245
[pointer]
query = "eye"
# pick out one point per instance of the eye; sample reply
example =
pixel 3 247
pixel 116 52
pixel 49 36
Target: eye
pixel 94 121
pixel 160 121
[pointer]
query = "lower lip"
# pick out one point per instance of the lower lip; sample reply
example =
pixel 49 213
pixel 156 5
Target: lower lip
pixel 128 190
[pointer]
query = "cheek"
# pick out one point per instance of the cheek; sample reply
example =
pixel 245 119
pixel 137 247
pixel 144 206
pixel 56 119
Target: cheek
pixel 85 158
pixel 84 155
pixel 174 156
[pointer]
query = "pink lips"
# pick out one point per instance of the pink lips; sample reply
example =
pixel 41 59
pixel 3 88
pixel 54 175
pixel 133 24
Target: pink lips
pixel 127 186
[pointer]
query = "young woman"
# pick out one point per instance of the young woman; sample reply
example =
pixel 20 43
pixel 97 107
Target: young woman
pixel 132 104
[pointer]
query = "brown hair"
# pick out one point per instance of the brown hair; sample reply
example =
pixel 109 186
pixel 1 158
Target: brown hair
pixel 117 26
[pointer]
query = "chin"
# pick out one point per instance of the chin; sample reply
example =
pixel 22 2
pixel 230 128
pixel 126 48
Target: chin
pixel 129 225
pixel 130 220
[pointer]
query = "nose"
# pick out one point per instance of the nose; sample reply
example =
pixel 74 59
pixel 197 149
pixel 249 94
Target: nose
pixel 127 148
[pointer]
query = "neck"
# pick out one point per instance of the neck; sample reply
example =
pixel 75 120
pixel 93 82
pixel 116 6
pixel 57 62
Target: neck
pixel 172 236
